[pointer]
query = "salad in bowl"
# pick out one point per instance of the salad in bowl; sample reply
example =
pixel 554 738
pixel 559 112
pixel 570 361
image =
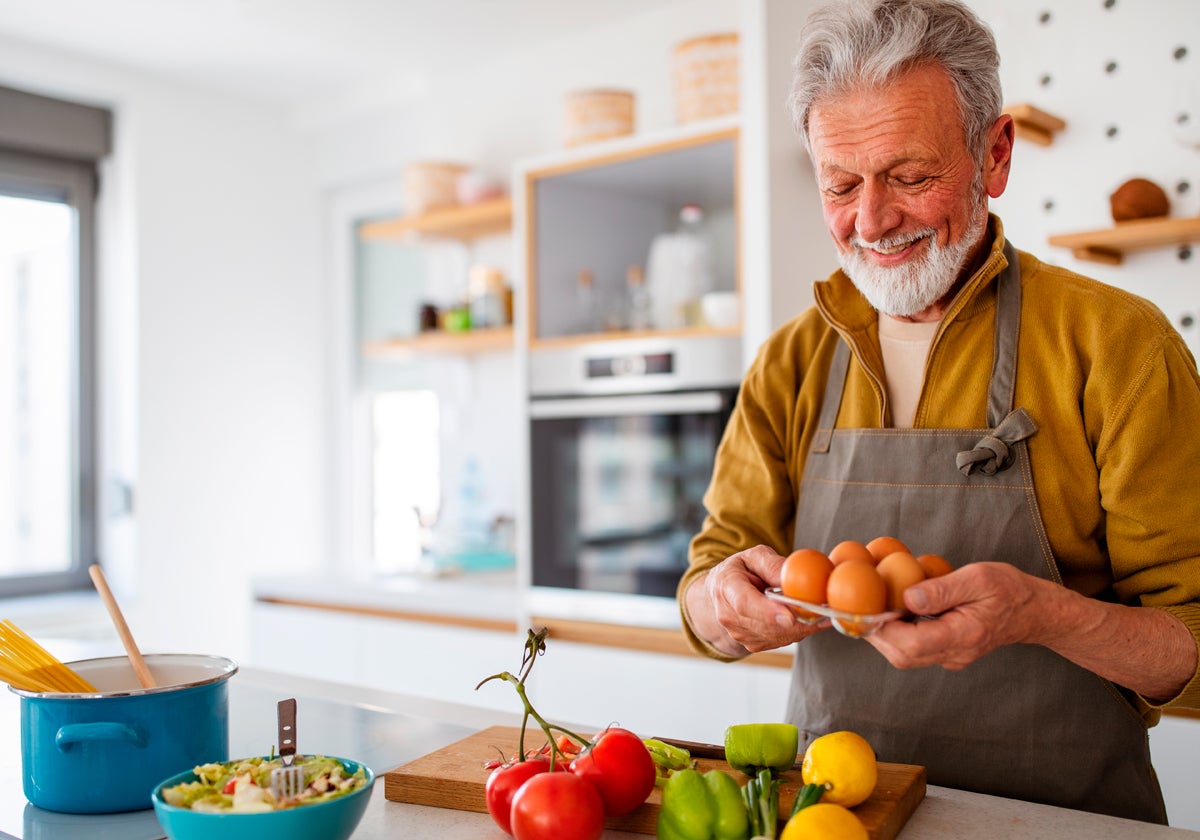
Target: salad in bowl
pixel 244 786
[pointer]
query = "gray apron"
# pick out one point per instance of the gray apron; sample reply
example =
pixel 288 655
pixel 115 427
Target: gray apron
pixel 1021 722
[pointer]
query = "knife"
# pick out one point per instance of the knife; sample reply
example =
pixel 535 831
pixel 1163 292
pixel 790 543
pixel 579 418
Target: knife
pixel 696 748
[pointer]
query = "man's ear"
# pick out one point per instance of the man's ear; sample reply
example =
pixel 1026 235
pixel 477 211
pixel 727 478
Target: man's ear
pixel 998 158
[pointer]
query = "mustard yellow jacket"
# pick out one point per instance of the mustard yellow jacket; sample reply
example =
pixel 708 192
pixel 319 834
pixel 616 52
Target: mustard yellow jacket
pixel 1112 386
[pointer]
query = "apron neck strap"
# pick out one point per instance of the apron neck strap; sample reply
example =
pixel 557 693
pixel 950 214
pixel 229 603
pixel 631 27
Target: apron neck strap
pixel 832 401
pixel 1008 328
pixel 1002 385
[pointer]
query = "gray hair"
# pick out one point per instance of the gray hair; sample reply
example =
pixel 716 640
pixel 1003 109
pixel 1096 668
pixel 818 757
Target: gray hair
pixel 849 44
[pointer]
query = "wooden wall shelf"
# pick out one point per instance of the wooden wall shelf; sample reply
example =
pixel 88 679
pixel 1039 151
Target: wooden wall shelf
pixel 1109 246
pixel 471 342
pixel 465 222
pixel 1034 124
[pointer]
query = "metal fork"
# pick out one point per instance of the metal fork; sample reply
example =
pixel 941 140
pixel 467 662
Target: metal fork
pixel 287 781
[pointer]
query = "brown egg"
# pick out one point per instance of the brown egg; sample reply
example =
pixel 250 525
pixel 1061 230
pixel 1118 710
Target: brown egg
pixel 934 565
pixel 881 547
pixel 899 571
pixel 856 587
pixel 850 550
pixel 804 575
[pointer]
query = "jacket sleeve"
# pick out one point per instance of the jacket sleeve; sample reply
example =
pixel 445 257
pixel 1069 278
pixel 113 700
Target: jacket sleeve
pixel 1147 455
pixel 750 500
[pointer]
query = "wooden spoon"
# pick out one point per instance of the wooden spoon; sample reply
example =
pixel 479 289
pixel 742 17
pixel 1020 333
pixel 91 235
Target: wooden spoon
pixel 118 620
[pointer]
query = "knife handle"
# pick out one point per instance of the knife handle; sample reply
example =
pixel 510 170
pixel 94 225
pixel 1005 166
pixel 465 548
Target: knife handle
pixel 697 749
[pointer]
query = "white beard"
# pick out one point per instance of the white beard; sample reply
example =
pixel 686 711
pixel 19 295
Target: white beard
pixel 917 284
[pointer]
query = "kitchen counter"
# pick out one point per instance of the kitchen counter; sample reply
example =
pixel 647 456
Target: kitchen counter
pixel 478 598
pixel 385 729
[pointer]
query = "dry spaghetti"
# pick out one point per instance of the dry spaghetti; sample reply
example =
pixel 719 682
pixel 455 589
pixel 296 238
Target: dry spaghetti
pixel 26 665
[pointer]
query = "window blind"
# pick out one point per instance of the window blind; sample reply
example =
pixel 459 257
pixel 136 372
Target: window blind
pixel 43 125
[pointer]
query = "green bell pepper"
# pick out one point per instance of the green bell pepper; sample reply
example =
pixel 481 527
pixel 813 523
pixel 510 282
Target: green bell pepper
pixel 702 806
pixel 750 747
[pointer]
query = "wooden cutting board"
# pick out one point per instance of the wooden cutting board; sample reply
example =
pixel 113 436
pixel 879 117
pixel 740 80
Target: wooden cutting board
pixel 454 777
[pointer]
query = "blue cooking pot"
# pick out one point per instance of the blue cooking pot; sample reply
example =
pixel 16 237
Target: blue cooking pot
pixel 104 752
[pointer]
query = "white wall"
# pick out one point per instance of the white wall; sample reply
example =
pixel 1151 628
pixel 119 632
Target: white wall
pixel 505 107
pixel 213 347
pixel 1064 188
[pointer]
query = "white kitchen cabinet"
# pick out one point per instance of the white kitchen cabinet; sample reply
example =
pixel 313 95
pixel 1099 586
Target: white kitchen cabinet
pixel 655 694
pixel 1175 750
pixel 441 661
pixel 436 660
pixel 590 685
pixel 310 643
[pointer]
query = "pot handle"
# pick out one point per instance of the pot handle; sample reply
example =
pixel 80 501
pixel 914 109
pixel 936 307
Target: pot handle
pixel 75 733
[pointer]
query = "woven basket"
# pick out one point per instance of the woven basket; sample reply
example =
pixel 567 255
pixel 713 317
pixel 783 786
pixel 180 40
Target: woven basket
pixel 591 115
pixel 706 77
pixel 428 185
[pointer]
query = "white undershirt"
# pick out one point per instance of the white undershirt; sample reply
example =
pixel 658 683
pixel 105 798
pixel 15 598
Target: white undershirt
pixel 905 346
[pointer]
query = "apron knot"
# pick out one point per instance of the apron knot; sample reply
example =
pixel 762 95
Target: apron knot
pixel 992 452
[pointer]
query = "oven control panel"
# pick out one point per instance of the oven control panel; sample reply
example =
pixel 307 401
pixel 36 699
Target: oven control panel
pixel 636 364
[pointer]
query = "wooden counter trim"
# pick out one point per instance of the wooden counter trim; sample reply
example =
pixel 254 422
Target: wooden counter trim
pixel 648 639
pixel 494 624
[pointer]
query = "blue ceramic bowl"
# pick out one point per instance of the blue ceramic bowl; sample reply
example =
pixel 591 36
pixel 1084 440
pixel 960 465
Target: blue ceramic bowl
pixel 332 820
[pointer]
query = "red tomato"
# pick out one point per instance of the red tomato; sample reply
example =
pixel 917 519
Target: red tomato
pixel 620 767
pixel 557 806
pixel 503 783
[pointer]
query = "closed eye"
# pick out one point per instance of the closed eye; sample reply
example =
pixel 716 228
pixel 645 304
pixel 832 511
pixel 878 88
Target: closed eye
pixel 839 189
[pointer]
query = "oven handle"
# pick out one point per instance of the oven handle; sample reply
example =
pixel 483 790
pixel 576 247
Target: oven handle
pixel 692 402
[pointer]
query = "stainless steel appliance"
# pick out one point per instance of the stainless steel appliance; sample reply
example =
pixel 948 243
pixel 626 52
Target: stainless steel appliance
pixel 622 440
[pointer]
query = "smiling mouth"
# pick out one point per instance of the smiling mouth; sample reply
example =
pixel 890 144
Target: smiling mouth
pixel 889 248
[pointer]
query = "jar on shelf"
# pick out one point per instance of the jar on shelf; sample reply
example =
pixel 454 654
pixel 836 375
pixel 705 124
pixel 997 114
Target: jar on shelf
pixel 679 271
pixel 430 185
pixel 488 297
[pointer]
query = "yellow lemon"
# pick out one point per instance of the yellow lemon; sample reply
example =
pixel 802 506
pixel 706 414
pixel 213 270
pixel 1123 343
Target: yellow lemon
pixel 824 821
pixel 845 764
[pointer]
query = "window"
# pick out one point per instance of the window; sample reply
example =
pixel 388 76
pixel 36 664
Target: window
pixel 403 470
pixel 47 355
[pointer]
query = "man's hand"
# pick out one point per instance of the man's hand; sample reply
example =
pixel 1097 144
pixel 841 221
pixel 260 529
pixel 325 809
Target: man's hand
pixel 974 610
pixel 727 606
pixel 981 606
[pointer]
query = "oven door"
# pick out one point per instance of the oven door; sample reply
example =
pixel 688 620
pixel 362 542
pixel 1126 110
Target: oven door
pixel 617 485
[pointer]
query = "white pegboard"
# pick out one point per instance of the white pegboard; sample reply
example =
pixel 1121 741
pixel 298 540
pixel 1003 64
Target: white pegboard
pixel 1125 76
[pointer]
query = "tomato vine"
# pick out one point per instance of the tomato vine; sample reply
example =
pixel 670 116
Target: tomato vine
pixel 535 646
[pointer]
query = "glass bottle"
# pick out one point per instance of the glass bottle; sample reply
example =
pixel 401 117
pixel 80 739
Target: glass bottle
pixel 587 319
pixel 680 271
pixel 639 299
pixel 695 263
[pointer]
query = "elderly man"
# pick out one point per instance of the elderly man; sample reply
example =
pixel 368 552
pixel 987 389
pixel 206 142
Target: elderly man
pixel 1034 427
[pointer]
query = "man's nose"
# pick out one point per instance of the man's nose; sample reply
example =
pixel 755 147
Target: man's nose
pixel 878 213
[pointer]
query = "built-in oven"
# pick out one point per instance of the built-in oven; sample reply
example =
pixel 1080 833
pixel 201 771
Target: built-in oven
pixel 622 441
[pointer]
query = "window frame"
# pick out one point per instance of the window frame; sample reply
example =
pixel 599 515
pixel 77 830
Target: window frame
pixel 73 183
